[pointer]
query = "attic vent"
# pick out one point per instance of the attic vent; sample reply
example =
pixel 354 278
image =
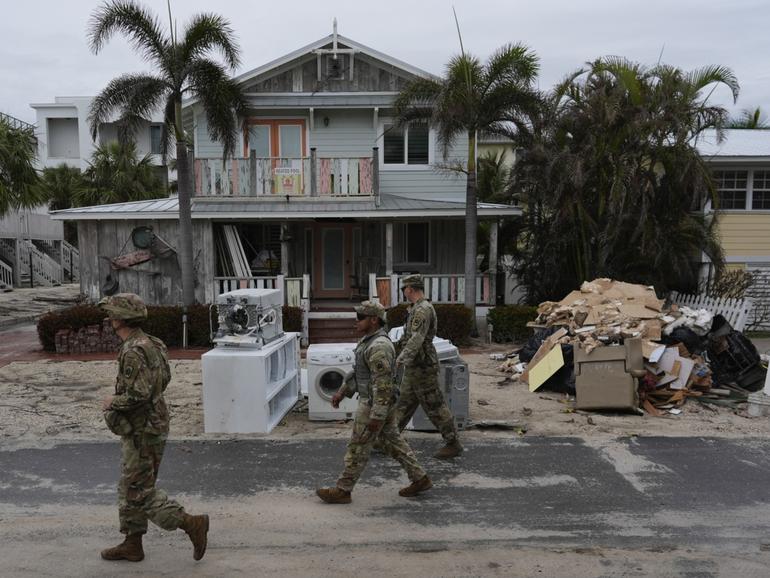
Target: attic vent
pixel 336 67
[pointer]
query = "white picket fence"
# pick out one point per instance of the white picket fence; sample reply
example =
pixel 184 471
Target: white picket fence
pixel 448 288
pixel 736 311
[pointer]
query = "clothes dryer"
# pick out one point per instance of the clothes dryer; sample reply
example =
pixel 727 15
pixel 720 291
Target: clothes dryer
pixel 327 366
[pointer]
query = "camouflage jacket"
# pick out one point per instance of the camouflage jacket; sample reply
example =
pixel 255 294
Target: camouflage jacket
pixel 416 344
pixel 143 374
pixel 377 353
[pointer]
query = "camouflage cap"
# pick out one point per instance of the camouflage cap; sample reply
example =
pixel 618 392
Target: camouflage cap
pixel 371 309
pixel 412 281
pixel 124 306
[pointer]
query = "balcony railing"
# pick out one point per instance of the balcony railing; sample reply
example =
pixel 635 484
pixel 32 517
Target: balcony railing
pixel 311 176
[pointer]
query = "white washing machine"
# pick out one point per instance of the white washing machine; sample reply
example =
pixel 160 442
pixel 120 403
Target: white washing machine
pixel 327 365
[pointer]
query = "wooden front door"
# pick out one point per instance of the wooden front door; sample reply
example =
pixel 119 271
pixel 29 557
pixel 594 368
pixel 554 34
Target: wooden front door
pixel 333 260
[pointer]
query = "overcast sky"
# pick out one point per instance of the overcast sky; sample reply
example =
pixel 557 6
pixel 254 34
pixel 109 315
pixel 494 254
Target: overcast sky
pixel 43 50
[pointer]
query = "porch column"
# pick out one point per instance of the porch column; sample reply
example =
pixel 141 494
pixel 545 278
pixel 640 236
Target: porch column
pixel 493 263
pixel 389 248
pixel 284 250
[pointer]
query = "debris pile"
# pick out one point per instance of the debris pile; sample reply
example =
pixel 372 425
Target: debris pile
pixel 653 357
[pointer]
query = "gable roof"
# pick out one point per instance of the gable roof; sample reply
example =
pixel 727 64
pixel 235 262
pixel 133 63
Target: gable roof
pixel 745 144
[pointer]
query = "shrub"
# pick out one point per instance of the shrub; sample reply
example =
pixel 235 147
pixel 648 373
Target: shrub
pixel 455 322
pixel 72 318
pixel 509 322
pixel 163 321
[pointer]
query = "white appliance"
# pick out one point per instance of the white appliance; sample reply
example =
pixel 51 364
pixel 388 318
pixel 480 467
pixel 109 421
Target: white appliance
pixel 327 365
pixel 248 317
pixel 248 390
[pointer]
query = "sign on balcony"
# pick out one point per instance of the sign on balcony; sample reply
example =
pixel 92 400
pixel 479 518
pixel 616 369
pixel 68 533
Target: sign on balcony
pixel 287 180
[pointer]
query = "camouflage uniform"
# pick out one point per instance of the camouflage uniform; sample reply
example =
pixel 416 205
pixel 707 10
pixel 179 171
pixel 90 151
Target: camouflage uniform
pixel 138 413
pixel 417 354
pixel 373 380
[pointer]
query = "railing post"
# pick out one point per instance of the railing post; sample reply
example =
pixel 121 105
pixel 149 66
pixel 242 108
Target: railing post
pixel 373 287
pixel 305 304
pixel 313 172
pixel 253 173
pixel 394 292
pixel 280 284
pixel 376 174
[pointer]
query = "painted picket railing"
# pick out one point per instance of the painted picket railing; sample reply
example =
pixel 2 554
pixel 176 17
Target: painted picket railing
pixel 446 288
pixel 285 176
pixel 70 261
pixel 45 271
pixel 736 311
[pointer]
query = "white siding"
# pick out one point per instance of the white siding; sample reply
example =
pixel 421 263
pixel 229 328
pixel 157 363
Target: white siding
pixel 63 139
pixel 350 133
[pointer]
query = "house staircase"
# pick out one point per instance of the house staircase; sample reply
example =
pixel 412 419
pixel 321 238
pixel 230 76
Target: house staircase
pixel 43 269
pixel 335 324
pixel 6 276
pixel 70 262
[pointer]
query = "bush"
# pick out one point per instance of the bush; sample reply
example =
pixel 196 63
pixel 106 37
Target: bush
pixel 72 318
pixel 509 322
pixel 163 321
pixel 455 322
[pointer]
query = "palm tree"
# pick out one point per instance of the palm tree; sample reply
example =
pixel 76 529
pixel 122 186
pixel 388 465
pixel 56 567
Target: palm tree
pixel 473 97
pixel 749 119
pixel 18 177
pixel 116 174
pixel 184 68
pixel 611 181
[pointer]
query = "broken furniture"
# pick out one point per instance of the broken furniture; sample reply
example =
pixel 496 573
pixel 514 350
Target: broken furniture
pixel 606 378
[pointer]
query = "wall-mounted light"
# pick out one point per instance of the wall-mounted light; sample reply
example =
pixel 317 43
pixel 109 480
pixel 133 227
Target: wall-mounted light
pixel 326 121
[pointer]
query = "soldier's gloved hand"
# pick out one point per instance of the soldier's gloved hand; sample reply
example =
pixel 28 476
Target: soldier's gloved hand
pixel 336 399
pixel 374 425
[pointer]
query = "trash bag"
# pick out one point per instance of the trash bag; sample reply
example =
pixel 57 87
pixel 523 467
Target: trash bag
pixel 527 352
pixel 733 358
pixel 692 341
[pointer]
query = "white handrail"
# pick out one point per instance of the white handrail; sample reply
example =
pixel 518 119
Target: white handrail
pixel 6 275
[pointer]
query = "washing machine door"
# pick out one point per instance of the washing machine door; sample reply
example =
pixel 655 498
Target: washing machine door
pixel 328 381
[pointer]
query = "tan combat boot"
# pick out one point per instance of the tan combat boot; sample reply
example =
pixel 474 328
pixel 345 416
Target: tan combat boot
pixel 415 488
pixel 130 549
pixel 197 528
pixel 333 495
pixel 451 450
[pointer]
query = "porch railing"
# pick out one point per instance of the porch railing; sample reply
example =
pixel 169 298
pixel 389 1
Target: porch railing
pixel 6 275
pixel 70 261
pixel 311 176
pixel 295 292
pixel 448 288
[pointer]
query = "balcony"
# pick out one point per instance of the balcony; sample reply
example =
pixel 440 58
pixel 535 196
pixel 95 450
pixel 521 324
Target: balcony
pixel 266 177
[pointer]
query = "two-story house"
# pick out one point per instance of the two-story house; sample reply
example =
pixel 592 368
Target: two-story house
pixel 326 197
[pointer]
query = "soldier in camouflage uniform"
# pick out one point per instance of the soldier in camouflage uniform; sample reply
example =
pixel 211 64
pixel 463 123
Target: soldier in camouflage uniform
pixel 418 360
pixel 375 418
pixel 138 414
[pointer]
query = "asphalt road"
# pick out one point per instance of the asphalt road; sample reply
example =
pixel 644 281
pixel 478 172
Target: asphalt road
pixel 524 507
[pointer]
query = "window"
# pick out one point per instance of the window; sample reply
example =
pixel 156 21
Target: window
pixel 335 67
pixel 415 243
pixel 155 132
pixel 760 197
pixel 731 187
pixel 406 145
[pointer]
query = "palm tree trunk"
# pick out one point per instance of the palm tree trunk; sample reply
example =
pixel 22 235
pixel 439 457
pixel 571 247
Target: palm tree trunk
pixel 471 225
pixel 185 214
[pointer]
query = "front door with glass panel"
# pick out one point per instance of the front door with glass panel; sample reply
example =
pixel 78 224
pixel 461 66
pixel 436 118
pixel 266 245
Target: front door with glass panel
pixel 279 146
pixel 332 256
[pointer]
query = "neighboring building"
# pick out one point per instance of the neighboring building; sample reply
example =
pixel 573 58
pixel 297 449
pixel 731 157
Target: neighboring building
pixel 32 246
pixel 64 135
pixel 741 164
pixel 323 191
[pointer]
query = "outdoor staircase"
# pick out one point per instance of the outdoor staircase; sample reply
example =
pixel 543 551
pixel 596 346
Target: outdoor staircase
pixel 70 262
pixel 332 330
pixel 6 277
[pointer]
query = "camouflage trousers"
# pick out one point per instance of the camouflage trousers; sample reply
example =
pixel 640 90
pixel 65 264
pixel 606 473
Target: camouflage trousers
pixel 362 440
pixel 420 387
pixel 138 498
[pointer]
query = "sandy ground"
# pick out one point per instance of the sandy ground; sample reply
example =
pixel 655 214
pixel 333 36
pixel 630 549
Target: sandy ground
pixel 26 304
pixel 52 401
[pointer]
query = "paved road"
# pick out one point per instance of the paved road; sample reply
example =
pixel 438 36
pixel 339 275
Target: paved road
pixel 528 507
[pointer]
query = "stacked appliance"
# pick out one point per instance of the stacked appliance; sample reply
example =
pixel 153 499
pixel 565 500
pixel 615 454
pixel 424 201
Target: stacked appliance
pixel 251 379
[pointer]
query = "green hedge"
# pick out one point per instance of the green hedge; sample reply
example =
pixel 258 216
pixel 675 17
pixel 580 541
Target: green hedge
pixel 163 321
pixel 509 322
pixel 455 322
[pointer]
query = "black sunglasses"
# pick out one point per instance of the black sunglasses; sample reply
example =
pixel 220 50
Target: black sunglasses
pixel 361 316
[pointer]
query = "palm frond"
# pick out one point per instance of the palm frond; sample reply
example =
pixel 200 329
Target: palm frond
pixel 139 25
pixel 130 96
pixel 208 32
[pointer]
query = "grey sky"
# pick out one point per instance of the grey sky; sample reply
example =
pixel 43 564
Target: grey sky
pixel 43 51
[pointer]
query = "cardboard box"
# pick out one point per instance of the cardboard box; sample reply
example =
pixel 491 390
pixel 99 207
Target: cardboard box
pixel 604 378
